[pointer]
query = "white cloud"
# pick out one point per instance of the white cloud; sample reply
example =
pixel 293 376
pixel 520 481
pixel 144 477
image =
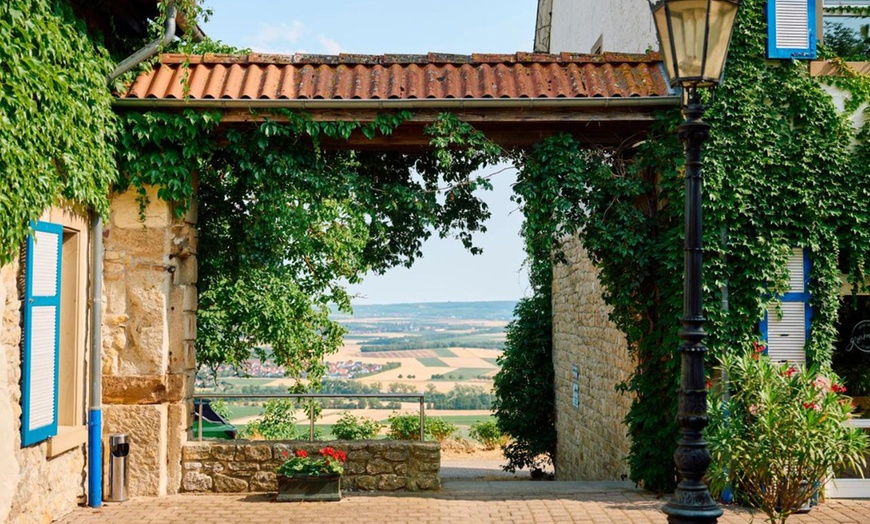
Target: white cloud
pixel 331 46
pixel 276 37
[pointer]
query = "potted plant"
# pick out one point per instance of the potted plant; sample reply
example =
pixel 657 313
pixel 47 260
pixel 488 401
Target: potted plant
pixel 309 478
pixel 776 431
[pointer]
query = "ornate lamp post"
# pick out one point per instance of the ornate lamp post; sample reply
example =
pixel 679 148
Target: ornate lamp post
pixel 694 36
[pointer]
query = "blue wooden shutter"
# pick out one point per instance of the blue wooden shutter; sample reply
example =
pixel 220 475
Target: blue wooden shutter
pixel 791 29
pixel 786 335
pixel 41 334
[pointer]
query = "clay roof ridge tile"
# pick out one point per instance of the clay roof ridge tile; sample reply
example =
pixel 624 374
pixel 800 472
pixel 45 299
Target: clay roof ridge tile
pixel 448 58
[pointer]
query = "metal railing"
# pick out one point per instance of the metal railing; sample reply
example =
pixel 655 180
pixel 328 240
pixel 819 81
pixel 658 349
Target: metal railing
pixel 420 396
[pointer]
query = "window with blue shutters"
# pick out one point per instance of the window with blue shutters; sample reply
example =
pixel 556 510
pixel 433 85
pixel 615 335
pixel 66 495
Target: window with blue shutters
pixel 41 334
pixel 791 29
pixel 786 327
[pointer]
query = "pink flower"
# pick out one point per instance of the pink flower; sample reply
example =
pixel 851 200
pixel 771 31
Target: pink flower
pixel 753 410
pixel 822 382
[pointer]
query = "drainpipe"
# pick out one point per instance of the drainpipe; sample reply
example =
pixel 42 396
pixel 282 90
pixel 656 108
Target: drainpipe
pixel 95 415
pixel 149 50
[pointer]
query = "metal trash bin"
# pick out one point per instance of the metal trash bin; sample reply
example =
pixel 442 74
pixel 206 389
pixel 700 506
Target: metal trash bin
pixel 119 448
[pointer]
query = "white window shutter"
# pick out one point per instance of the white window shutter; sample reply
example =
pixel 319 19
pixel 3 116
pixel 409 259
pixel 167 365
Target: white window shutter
pixel 791 31
pixel 41 331
pixel 787 334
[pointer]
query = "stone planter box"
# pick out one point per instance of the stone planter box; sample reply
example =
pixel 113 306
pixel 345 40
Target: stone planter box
pixel 301 489
pixel 243 466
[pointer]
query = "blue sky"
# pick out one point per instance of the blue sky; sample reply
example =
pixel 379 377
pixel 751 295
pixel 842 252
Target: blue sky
pixel 447 272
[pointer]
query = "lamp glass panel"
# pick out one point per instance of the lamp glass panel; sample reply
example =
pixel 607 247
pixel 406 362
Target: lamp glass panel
pixel 689 24
pixel 661 20
pixel 722 17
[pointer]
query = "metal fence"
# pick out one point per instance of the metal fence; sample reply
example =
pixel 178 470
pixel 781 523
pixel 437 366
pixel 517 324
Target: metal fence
pixel 395 396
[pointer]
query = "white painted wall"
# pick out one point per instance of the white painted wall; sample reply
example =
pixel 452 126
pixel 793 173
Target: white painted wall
pixel 575 25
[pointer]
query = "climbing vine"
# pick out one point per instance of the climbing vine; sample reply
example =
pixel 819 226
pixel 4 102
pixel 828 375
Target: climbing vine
pixel 783 169
pixel 284 223
pixel 56 122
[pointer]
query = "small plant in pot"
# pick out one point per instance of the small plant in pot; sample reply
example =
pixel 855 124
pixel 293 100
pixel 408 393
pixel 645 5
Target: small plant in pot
pixel 303 477
pixel 777 431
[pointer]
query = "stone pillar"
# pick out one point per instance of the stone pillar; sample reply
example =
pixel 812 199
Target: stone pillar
pixel 590 358
pixel 149 327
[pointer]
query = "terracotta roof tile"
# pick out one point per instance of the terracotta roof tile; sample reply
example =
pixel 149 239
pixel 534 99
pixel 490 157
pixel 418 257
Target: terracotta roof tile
pixel 397 76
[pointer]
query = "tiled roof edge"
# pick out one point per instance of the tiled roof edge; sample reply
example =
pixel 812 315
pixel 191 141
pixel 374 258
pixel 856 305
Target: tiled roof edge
pixel 390 59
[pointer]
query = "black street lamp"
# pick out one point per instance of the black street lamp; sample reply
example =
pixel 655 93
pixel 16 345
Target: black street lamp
pixel 694 36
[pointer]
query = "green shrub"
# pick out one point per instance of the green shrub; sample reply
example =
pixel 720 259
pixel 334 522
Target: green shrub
pixel 487 433
pixel 349 427
pixel 404 427
pixel 776 430
pixel 407 427
pixel 439 429
pixel 278 422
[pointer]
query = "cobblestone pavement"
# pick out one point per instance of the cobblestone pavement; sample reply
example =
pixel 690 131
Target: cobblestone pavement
pixel 461 501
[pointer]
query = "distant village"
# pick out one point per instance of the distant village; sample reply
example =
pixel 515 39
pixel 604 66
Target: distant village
pixel 335 370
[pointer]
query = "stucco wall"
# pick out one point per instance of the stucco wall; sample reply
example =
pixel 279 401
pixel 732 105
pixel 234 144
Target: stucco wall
pixel 589 352
pixel 627 26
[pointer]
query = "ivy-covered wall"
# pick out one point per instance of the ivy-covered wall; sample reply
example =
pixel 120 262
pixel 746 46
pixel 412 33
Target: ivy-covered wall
pixel 56 122
pixel 56 151
pixel 783 168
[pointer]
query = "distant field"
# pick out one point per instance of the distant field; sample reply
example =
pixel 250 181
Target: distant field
pixel 247 381
pixel 493 361
pixel 433 362
pixel 466 373
pixel 444 352
pixel 238 411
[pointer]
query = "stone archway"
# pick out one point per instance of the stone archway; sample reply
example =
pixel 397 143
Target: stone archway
pixel 150 275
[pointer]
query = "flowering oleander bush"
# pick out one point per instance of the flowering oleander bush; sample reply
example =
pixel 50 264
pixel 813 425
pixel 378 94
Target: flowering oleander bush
pixel 776 430
pixel 328 461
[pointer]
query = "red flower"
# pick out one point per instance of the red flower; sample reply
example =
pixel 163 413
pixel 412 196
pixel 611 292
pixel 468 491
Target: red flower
pixel 758 347
pixel 341 456
pixel 301 453
pixel 285 454
pixel 790 372
pixel 837 388
pixel 327 452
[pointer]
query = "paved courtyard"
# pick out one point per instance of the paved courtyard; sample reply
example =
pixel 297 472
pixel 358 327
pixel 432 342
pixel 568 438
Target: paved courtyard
pixel 474 501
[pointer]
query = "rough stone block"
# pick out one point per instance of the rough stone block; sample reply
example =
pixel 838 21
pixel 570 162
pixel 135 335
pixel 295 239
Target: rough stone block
pixel 237 466
pixel 366 483
pixel 225 484
pixel 195 481
pixel 146 427
pixel 379 466
pixel 263 481
pixel 397 455
pixel 223 451
pixel 390 482
pixel 354 468
pixel 256 452
pixel 196 451
pixel 213 467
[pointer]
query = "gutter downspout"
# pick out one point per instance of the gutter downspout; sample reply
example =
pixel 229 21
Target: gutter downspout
pixel 149 50
pixel 95 413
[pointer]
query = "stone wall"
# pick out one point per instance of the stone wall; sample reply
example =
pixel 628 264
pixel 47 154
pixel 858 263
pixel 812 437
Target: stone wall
pixel 33 487
pixel 372 465
pixel 590 358
pixel 149 327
